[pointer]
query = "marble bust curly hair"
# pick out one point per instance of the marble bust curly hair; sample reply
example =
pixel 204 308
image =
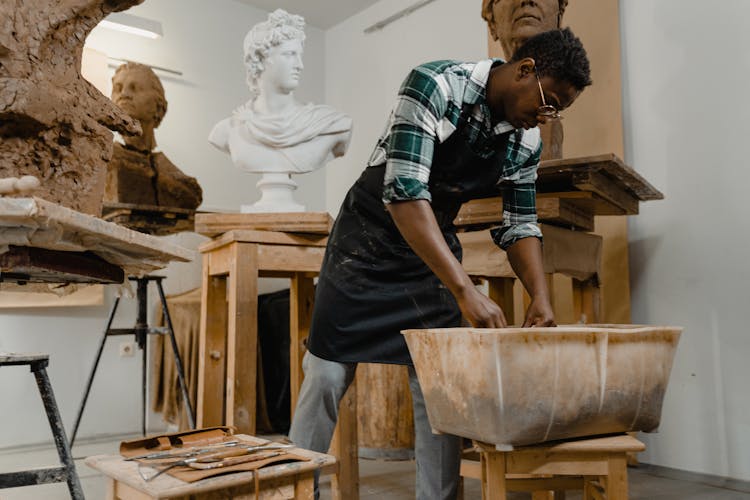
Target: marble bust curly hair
pixel 281 26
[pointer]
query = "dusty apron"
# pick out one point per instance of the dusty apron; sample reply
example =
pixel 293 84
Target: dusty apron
pixel 372 285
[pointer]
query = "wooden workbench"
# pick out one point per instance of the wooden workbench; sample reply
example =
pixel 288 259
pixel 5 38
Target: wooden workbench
pixel 278 482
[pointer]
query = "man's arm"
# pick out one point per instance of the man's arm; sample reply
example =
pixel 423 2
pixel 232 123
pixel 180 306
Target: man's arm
pixel 525 257
pixel 416 222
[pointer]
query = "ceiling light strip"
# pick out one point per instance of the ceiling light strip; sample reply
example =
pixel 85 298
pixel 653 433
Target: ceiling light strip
pixel 398 15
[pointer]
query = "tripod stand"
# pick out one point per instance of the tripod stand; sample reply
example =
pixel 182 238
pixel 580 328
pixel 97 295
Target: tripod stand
pixel 141 332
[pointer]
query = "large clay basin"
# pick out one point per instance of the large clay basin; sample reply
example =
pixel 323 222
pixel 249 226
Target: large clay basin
pixel 518 386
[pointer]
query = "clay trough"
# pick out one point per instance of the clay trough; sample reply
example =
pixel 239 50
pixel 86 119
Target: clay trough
pixel 519 386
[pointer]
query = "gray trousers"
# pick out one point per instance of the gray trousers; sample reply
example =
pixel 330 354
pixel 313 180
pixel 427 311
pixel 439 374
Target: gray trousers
pixel 437 455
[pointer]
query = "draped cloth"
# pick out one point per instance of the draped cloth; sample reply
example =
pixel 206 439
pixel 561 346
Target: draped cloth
pixel 305 123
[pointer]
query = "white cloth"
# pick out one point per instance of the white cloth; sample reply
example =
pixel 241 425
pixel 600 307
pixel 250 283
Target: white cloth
pixel 286 130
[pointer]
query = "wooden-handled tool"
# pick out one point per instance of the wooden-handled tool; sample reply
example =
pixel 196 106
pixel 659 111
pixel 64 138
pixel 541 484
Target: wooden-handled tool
pixel 228 462
pixel 236 452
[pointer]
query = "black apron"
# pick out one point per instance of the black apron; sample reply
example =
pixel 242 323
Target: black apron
pixel 372 285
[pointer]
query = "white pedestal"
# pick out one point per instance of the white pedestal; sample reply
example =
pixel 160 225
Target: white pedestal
pixel 277 195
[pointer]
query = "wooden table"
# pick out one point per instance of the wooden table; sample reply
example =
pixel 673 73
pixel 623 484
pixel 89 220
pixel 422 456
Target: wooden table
pixel 46 227
pixel 277 482
pixel 572 253
pixel 228 342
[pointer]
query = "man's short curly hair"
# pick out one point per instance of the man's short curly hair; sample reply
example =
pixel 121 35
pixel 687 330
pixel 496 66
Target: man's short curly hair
pixel 558 54
pixel 488 15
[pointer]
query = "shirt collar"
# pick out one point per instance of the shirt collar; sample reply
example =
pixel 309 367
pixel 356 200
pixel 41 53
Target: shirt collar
pixel 479 76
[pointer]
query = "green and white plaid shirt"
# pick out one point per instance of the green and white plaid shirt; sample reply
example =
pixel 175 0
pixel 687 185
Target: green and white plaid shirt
pixel 436 99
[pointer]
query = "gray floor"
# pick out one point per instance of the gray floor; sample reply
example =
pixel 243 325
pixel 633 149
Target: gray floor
pixel 378 479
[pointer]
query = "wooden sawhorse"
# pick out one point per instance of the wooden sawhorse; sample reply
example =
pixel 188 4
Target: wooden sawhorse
pixel 598 466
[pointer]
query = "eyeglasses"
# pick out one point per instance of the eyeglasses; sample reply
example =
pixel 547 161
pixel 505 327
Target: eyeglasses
pixel 546 110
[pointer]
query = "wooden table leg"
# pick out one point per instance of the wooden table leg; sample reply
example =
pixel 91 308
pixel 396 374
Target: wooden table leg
pixel 304 487
pixel 345 447
pixel 212 349
pixel 585 301
pixel 301 298
pixel 501 293
pixel 242 338
pixel 493 476
pixel 617 480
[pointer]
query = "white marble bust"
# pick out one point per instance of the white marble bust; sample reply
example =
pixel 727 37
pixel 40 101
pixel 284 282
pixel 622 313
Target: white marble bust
pixel 273 133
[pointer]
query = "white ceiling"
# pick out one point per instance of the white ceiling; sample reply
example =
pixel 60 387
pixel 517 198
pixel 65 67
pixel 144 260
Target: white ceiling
pixel 319 13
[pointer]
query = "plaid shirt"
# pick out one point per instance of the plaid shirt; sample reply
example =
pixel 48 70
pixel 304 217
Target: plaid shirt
pixel 436 99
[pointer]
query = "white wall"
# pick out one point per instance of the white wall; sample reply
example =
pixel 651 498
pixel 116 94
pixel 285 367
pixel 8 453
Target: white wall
pixel 204 41
pixel 686 68
pixel 364 72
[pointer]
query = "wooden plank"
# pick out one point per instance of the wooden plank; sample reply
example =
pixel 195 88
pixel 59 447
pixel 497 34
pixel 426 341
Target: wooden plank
pixel 211 349
pixel 344 446
pixel 214 224
pixel 482 258
pixel 289 258
pixel 607 164
pixel 301 299
pixel 38 223
pixel 533 483
pixel 597 183
pixel 272 237
pixel 540 461
pixel 551 209
pixel 39 265
pixel 150 219
pixel 617 479
pixel 493 476
pixel 242 339
pixel 501 292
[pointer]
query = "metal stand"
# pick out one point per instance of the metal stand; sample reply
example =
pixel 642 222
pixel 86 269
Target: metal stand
pixel 141 332
pixel 67 472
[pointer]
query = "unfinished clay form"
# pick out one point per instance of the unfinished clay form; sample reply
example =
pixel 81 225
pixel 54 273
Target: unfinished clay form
pixel 53 123
pixel 519 386
pixel 137 174
pixel 272 133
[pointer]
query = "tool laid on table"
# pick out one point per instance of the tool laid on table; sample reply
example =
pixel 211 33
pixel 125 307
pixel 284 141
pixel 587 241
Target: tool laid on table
pixel 183 452
pixel 228 462
pixel 213 457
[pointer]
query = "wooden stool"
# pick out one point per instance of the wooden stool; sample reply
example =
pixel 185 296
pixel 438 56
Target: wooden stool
pixel 66 473
pixel 598 466
pixel 278 482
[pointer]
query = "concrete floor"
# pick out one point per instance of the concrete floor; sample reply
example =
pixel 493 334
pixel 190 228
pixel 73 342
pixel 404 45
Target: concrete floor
pixel 379 480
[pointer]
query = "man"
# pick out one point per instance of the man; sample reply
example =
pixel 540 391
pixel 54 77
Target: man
pixel 458 131
pixel 514 21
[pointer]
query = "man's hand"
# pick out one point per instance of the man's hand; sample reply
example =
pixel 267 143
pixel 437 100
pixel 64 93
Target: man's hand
pixel 479 310
pixel 539 313
pixel 525 258
pixel 416 222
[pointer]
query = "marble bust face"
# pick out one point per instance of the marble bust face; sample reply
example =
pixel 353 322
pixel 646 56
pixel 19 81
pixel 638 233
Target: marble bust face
pixel 282 68
pixel 514 21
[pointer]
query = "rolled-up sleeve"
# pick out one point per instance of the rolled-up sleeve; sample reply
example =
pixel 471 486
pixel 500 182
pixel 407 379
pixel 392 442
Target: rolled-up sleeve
pixel 519 205
pixel 410 144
